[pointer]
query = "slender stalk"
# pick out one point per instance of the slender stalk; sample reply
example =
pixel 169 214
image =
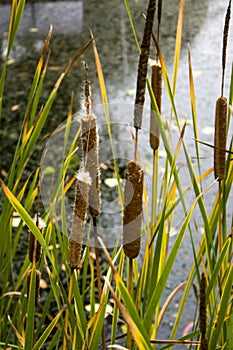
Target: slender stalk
pixel 67 311
pixel 130 289
pixel 98 271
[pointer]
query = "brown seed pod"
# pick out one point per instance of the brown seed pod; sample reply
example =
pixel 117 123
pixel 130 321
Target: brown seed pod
pixel 37 287
pixel 34 248
pixel 156 84
pixel 78 219
pixel 132 215
pixel 220 137
pixel 91 161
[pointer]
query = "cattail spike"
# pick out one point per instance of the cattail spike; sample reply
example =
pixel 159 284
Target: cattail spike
pixel 225 37
pixel 142 66
pixel 79 219
pixel 91 161
pixel 220 137
pixel 34 248
pixel 132 216
pixel 156 83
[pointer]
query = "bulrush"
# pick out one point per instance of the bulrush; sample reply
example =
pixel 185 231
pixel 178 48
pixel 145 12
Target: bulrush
pixel 132 215
pixel 156 84
pixel 220 137
pixel 37 287
pixel 83 184
pixel 142 65
pixel 91 161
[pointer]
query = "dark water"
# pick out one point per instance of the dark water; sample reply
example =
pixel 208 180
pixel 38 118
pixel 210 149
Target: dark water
pixel 203 24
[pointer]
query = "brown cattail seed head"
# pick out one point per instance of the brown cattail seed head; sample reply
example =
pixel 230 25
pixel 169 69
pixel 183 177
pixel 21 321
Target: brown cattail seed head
pixel 220 138
pixel 34 248
pixel 37 287
pixel 156 83
pixel 91 161
pixel 79 218
pixel 132 216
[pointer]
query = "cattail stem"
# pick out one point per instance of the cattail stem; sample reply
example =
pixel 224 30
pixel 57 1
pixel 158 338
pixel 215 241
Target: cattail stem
pixel 132 216
pixel 154 191
pixel 67 311
pixel 220 236
pixel 98 271
pixel 130 289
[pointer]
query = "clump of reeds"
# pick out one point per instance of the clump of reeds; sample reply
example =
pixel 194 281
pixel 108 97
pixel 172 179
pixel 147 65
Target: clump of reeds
pixel 132 215
pixel 79 218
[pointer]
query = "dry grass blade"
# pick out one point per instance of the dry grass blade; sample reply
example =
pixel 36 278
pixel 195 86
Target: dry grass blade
pixel 132 217
pixel 142 66
pixel 220 137
pixel 167 302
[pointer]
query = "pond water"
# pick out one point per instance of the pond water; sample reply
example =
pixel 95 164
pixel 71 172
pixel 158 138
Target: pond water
pixel 203 25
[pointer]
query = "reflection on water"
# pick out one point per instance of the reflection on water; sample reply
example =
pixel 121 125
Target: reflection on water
pixel 72 20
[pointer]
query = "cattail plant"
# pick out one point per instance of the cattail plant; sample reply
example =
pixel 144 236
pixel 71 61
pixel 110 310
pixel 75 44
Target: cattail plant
pixel 142 66
pixel 37 286
pixel 132 215
pixel 220 135
pixel 83 184
pixel 90 155
pixel 156 84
